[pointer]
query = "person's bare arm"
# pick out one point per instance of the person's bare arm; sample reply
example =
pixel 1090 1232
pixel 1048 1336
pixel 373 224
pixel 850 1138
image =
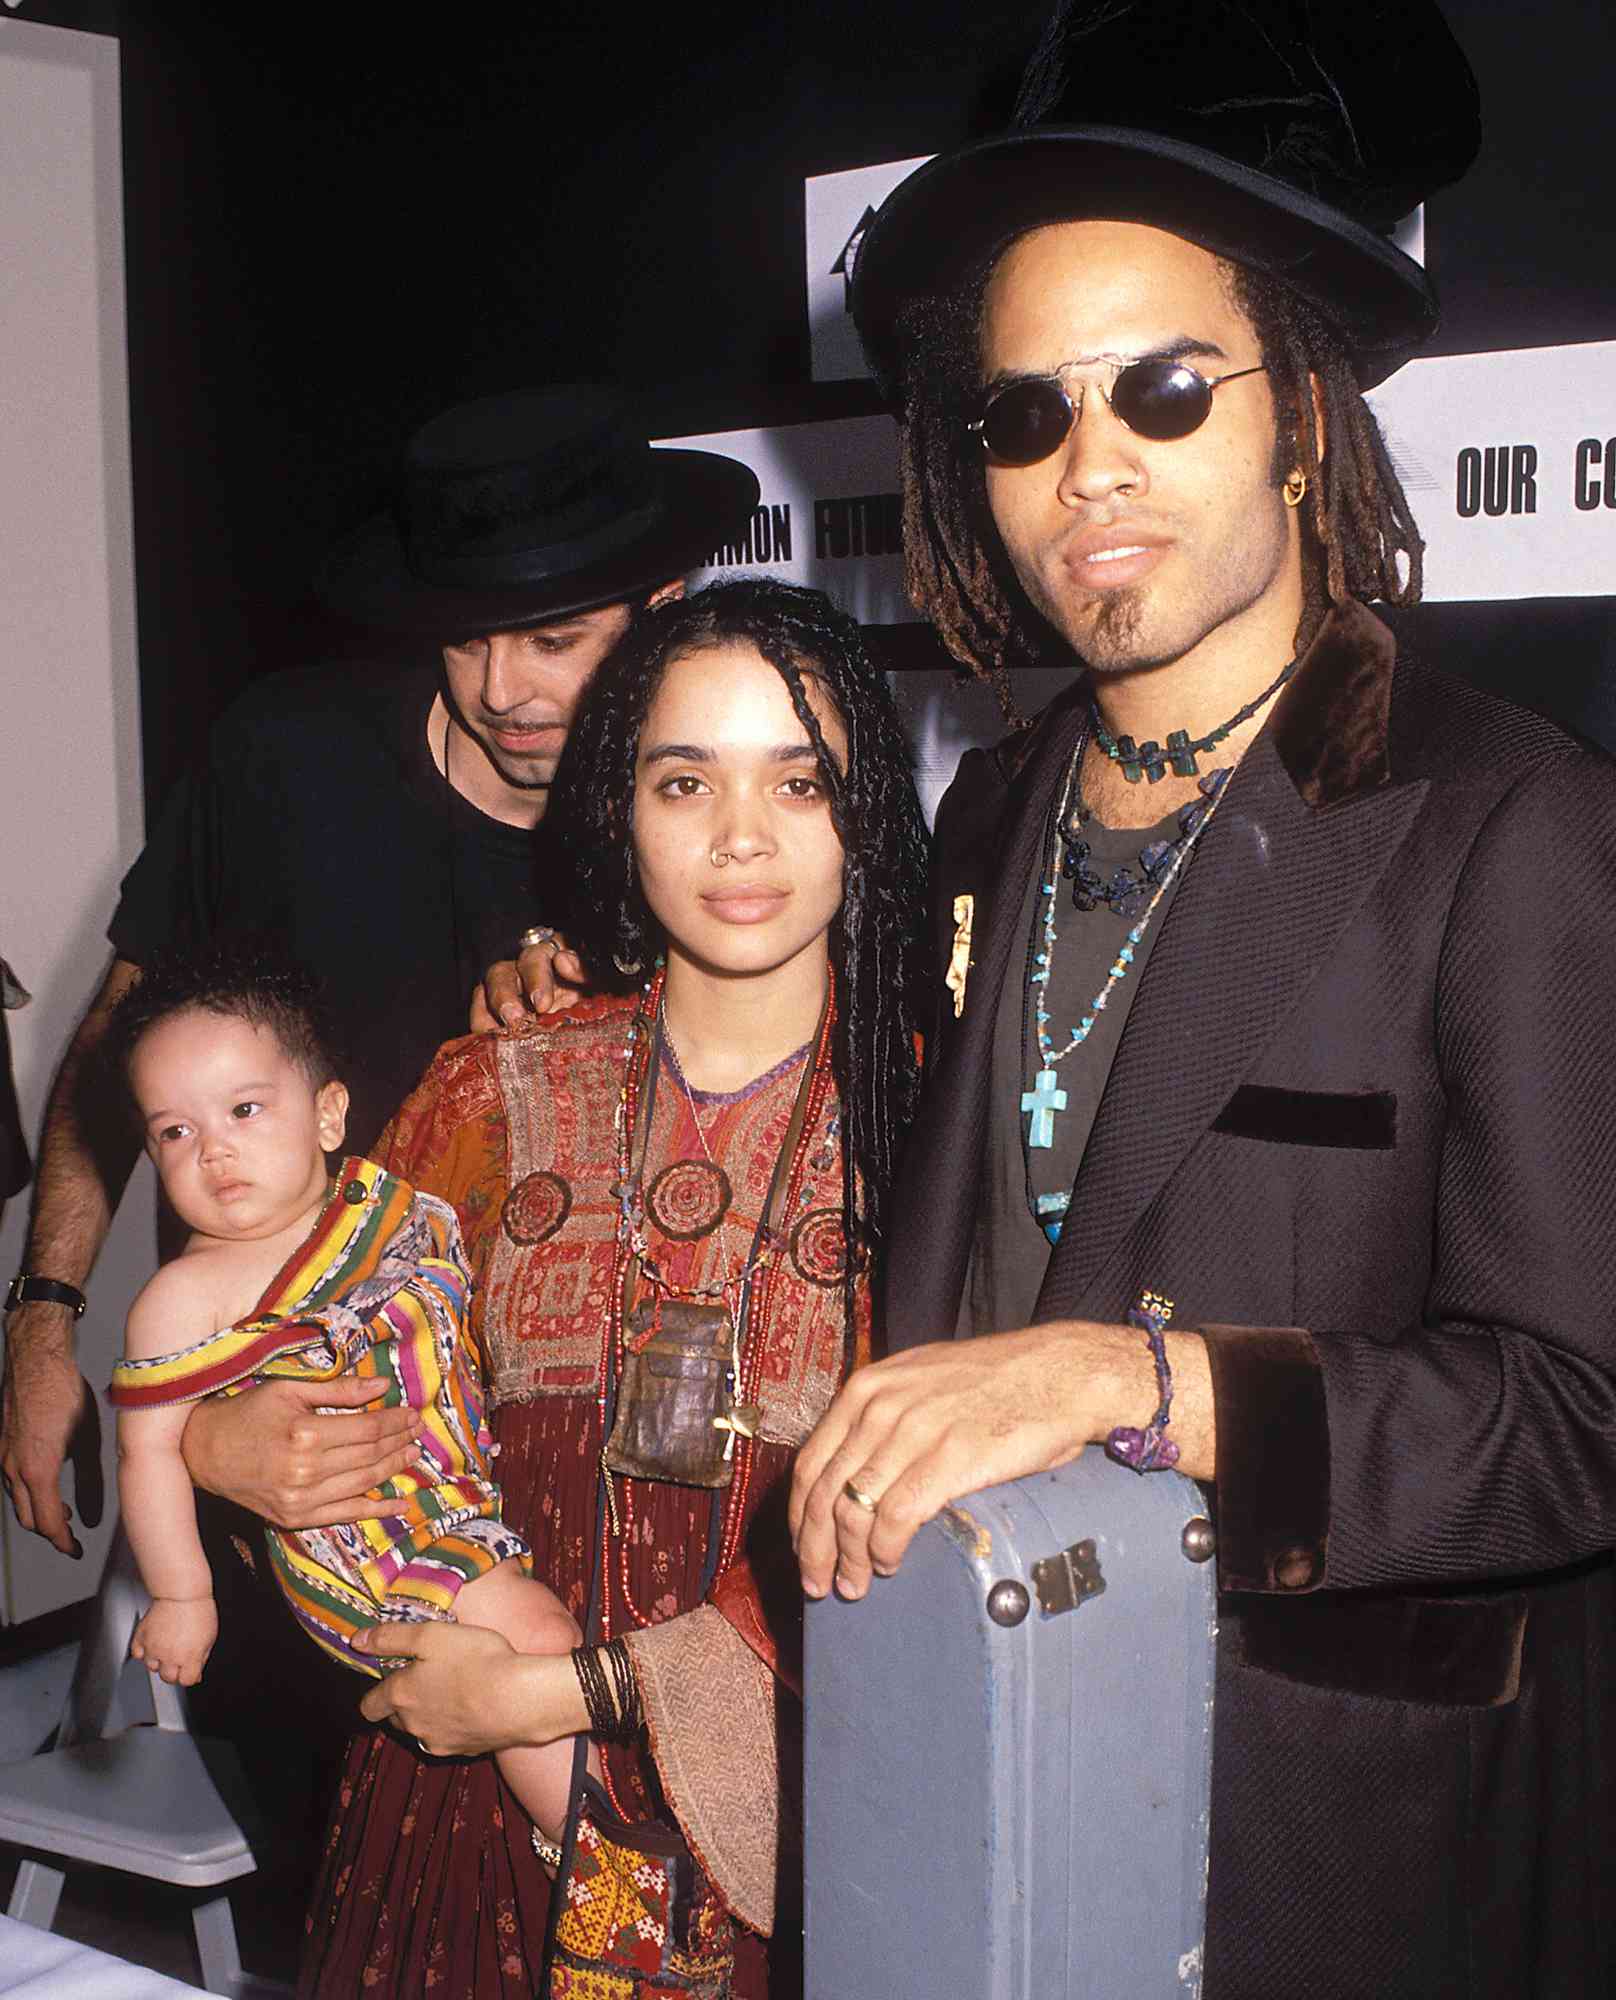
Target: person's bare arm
pixel 542 979
pixel 177 1633
pixel 81 1173
pixel 928 1426
pixel 159 1514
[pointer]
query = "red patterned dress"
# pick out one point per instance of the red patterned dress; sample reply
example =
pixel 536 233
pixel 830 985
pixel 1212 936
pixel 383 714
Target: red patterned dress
pixel 429 1885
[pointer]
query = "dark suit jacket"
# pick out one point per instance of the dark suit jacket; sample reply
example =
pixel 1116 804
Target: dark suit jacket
pixel 1362 1128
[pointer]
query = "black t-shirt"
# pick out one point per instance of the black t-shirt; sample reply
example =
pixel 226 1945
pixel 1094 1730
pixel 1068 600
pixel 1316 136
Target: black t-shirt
pixel 318 817
pixel 1011 1253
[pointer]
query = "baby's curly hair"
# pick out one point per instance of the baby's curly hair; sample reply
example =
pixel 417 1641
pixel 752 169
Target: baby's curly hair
pixel 241 978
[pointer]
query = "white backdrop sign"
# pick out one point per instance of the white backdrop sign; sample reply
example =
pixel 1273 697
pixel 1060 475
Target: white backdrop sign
pixel 1509 463
pixel 837 207
pixel 830 515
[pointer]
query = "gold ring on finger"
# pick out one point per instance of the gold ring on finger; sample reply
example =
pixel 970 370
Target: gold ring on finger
pixel 859 1497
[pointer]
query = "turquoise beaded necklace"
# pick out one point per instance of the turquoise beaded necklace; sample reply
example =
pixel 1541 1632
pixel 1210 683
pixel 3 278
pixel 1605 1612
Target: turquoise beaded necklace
pixel 1045 1099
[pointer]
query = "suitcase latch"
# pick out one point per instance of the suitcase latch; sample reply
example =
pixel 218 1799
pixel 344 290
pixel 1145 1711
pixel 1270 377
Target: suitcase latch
pixel 1066 1580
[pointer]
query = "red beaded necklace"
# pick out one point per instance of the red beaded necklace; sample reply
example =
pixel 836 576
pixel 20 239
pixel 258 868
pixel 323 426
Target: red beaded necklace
pixel 756 1296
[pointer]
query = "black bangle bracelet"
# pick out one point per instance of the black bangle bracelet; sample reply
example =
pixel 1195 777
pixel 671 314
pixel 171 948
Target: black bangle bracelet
pixel 597 1696
pixel 611 1691
pixel 625 1690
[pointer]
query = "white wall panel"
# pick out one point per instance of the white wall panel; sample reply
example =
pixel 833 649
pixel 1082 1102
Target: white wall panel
pixel 70 809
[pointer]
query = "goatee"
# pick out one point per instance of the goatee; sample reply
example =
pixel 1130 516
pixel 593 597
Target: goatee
pixel 1111 642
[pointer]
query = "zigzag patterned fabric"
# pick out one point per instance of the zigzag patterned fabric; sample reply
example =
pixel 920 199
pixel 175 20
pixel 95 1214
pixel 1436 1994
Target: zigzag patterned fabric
pixel 378 1289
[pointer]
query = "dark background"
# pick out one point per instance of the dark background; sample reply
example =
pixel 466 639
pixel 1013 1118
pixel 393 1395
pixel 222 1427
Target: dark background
pixel 342 219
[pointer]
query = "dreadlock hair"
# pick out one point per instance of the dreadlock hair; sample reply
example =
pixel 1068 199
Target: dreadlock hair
pixel 1362 540
pixel 878 945
pixel 1364 537
pixel 242 979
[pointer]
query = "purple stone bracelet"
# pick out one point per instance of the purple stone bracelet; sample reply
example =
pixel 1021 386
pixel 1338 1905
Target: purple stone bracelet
pixel 1150 1449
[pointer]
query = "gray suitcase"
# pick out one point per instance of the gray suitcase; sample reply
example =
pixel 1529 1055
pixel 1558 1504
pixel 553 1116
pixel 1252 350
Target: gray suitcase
pixel 1009 1751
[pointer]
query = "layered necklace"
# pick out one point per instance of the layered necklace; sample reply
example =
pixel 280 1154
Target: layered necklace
pixel 1140 897
pixel 746 1292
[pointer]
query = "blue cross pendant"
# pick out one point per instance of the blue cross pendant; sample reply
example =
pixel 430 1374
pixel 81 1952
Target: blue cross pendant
pixel 1043 1101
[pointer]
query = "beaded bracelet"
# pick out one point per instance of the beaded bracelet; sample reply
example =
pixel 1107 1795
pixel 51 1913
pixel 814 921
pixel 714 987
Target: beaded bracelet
pixel 1150 1449
pixel 611 1692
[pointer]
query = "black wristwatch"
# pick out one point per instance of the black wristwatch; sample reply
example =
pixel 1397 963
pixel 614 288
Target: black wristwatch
pixel 25 1289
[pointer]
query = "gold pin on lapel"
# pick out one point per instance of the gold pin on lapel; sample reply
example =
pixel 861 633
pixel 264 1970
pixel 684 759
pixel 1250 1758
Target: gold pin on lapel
pixel 959 959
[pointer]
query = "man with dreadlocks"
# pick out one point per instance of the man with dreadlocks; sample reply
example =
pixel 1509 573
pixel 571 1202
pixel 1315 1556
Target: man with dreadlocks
pixel 1259 1002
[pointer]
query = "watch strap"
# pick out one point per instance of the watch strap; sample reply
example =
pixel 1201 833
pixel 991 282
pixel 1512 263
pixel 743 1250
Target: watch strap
pixel 26 1289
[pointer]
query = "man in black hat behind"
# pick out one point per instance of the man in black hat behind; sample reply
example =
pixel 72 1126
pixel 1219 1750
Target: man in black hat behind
pixel 378 824
pixel 1280 987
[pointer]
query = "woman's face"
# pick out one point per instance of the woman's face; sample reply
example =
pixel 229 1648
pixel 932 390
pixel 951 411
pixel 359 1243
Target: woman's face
pixel 737 856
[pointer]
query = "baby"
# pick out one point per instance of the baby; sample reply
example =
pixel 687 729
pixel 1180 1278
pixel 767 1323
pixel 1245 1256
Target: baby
pixel 286 1273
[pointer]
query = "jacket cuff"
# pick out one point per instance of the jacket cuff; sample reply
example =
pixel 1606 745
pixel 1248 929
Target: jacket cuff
pixel 1273 1445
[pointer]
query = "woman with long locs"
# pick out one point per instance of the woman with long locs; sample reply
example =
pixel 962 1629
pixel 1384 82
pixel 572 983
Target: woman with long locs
pixel 672 1197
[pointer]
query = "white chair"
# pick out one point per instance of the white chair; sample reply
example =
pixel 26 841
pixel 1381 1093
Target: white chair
pixel 120 1793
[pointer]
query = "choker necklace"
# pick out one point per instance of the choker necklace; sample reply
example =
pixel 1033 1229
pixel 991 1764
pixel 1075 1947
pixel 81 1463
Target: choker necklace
pixel 1126 894
pixel 1151 760
pixel 1045 1099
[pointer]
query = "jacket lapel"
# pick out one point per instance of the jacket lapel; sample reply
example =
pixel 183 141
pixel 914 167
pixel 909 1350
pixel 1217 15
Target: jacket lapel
pixel 1294 851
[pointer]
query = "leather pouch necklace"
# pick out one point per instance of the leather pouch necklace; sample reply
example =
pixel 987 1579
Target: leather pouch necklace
pixel 677 1412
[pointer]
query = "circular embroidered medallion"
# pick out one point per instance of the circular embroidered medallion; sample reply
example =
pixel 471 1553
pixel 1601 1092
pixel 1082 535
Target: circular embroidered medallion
pixel 688 1199
pixel 819 1247
pixel 536 1208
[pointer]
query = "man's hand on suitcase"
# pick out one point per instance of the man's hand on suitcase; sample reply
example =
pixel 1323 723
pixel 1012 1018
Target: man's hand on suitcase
pixel 923 1428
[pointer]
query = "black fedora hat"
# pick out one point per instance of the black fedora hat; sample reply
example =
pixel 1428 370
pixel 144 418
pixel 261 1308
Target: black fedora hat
pixel 1289 135
pixel 521 508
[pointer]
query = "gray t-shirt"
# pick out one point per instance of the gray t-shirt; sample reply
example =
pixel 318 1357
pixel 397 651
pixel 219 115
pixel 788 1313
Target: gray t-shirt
pixel 1011 1252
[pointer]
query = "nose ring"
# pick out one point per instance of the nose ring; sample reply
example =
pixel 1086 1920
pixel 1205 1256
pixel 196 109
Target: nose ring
pixel 719 858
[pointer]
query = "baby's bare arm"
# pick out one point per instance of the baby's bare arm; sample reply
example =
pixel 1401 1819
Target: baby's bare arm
pixel 154 1488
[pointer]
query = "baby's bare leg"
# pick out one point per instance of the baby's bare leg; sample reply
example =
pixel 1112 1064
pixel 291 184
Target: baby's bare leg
pixel 530 1617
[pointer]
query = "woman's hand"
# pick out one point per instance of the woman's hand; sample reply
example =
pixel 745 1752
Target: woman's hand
pixel 543 978
pixel 273 1450
pixel 466 1691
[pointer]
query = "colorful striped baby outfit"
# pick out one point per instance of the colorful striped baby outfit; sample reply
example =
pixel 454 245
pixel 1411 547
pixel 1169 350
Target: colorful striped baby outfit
pixel 378 1289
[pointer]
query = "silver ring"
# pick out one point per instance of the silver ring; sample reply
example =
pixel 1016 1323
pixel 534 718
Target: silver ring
pixel 538 934
pixel 859 1497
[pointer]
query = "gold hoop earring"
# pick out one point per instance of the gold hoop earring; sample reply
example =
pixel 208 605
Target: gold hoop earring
pixel 1294 488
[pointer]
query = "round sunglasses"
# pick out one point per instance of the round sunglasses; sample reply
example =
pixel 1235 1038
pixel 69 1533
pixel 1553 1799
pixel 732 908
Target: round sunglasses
pixel 1026 420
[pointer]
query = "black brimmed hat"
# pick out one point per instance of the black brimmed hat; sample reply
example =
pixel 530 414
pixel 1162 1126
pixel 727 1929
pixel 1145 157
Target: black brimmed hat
pixel 1288 135
pixel 522 508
